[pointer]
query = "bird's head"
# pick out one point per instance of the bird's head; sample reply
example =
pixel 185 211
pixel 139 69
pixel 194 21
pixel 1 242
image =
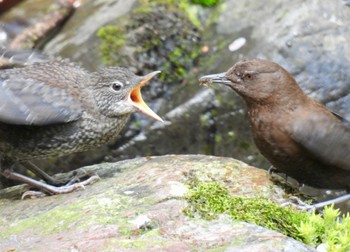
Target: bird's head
pixel 118 92
pixel 255 80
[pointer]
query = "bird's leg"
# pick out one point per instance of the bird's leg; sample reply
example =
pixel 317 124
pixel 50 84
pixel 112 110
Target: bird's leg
pixel 272 170
pixel 296 202
pixel 337 200
pixel 301 205
pixel 8 173
pixel 39 173
pixel 51 180
pixel 283 179
pixel 277 176
pixel 46 187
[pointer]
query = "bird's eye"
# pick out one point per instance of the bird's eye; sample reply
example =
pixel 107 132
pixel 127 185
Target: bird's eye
pixel 116 86
pixel 248 76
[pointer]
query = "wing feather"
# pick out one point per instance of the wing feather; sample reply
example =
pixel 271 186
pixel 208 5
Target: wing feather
pixel 325 136
pixel 27 100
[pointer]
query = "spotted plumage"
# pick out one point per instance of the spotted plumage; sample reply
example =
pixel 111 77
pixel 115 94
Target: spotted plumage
pixel 56 108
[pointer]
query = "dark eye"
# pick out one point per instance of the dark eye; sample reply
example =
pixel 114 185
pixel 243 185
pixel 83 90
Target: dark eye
pixel 116 86
pixel 248 76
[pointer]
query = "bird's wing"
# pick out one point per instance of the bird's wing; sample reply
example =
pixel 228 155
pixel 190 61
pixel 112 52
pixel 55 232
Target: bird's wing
pixel 26 101
pixel 327 138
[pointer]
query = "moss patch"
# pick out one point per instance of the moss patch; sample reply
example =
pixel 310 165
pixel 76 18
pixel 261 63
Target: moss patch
pixel 52 221
pixel 105 209
pixel 210 199
pixel 149 239
pixel 330 228
pixel 206 3
pixel 112 40
pixel 158 35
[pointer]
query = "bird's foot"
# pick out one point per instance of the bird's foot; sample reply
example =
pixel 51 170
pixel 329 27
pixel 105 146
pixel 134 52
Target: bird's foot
pixel 47 188
pixel 33 194
pixel 70 178
pixel 70 187
pixel 301 205
pixel 276 175
pixel 298 204
pixel 282 179
pixel 58 179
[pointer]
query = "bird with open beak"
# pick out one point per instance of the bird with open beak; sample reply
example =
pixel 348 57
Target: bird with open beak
pixel 55 108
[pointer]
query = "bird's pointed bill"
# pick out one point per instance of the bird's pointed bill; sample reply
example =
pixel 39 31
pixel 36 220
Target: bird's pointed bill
pixel 219 78
pixel 136 97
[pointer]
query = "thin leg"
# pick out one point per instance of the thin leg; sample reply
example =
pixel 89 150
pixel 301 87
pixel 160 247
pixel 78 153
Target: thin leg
pixel 301 205
pixel 45 187
pixel 47 178
pixel 337 200
pixel 282 178
pixel 273 171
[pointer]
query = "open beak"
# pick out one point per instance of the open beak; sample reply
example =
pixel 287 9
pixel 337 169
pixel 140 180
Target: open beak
pixel 136 97
pixel 214 78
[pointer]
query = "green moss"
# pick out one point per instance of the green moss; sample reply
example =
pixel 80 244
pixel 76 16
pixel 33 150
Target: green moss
pixel 136 124
pixel 80 214
pixel 126 231
pixel 57 219
pixel 177 61
pixel 330 228
pixel 210 199
pixel 245 145
pixel 152 233
pixel 187 6
pixel 133 244
pixel 218 138
pixel 149 239
pixel 112 41
pixel 139 244
pixel 206 3
pixel 146 33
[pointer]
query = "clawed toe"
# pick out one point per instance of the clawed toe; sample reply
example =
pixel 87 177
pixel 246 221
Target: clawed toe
pixel 299 204
pixel 51 190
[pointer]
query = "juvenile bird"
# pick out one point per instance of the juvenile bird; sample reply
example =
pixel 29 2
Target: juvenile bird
pixel 298 135
pixel 55 108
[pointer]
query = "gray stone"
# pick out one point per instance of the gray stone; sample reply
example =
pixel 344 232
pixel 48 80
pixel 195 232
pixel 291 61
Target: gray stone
pixel 138 205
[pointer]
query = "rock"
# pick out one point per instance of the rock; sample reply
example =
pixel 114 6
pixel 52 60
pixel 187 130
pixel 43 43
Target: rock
pixel 138 205
pixel 28 25
pixel 78 40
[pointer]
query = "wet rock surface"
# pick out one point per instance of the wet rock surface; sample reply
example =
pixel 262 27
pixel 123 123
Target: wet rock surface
pixel 138 205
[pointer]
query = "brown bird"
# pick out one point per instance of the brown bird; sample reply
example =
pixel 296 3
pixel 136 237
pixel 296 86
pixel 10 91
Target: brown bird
pixel 55 108
pixel 298 135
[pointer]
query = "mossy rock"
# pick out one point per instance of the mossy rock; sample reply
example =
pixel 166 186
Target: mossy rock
pixel 156 36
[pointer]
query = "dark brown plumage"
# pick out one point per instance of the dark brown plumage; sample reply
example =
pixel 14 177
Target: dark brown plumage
pixel 56 108
pixel 299 136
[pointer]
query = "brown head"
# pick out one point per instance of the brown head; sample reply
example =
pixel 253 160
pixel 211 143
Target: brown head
pixel 257 81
